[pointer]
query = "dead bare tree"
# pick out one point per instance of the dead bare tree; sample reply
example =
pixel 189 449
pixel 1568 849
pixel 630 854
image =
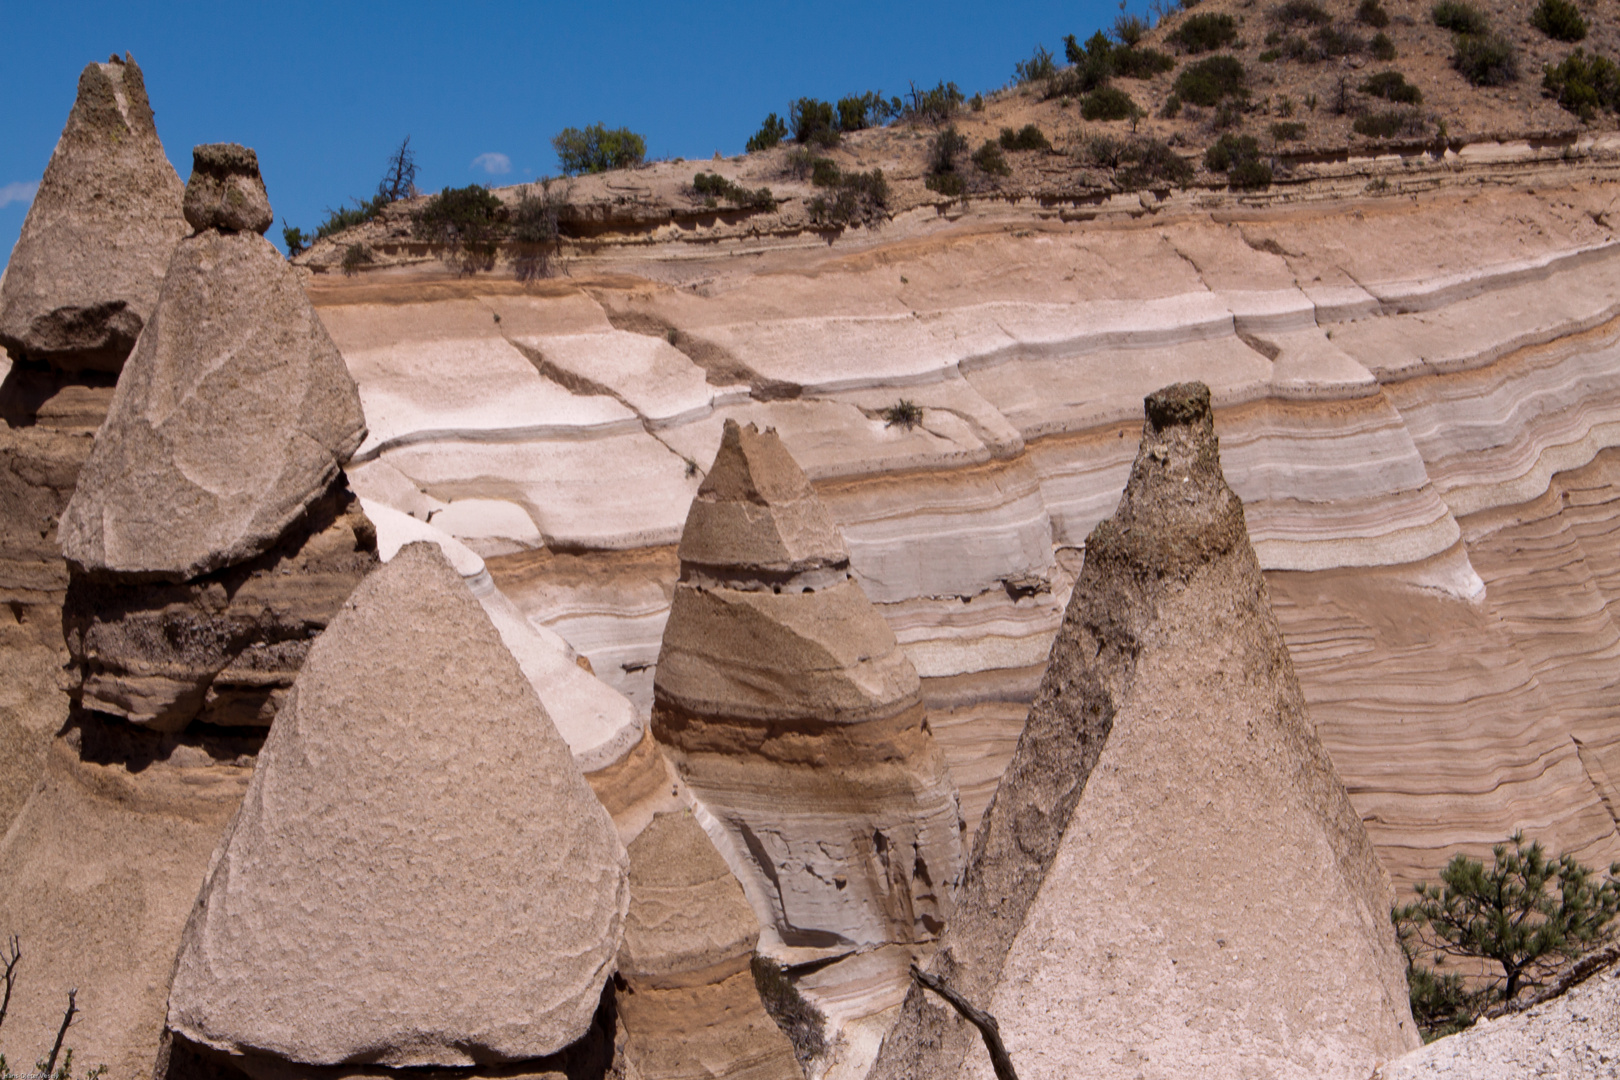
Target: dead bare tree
pixel 61 1033
pixel 399 182
pixel 12 954
pixel 988 1028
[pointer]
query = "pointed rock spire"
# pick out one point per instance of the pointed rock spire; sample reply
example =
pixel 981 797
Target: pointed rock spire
pixel 419 874
pixel 756 514
pixel 790 710
pixel 85 274
pixel 1171 876
pixel 233 414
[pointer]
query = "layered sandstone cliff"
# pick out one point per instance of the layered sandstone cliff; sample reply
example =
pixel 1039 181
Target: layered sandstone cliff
pixel 1397 383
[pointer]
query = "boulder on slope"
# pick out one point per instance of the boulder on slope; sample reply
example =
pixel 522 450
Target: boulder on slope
pixel 85 273
pixel 233 414
pixel 419 875
pixel 1170 881
pixel 687 1001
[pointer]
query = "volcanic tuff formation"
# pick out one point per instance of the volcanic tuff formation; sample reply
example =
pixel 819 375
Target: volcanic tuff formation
pixel 85 273
pixel 1170 881
pixel 81 282
pixel 789 709
pixel 211 534
pixel 234 412
pixel 687 997
pixel 419 874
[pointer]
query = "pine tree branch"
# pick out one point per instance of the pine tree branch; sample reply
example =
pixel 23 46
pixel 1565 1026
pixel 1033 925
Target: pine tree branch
pixel 61 1033
pixel 988 1028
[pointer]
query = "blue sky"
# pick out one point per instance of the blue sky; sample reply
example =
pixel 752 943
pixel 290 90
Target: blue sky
pixel 323 91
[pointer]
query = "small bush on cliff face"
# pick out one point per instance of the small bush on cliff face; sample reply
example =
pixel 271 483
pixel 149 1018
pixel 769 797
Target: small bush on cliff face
pixel 1238 156
pixel 854 199
pixel 1141 63
pixel 1300 13
pixel 1371 13
pixel 990 159
pixel 1392 86
pixel 1382 47
pixel 812 122
pixel 1204 32
pixel 598 149
pixel 1559 19
pixel 355 256
pixel 908 414
pixel 1584 84
pixel 1389 123
pixel 942 154
pixel 803 1023
pixel 1529 914
pixel 934 106
pixel 1038 68
pixel 537 232
pixel 1109 103
pixel 1288 130
pixel 771 132
pixel 1208 81
pixel 466 221
pixel 1150 163
pixel 1028 137
pixel 1485 59
pixel 1459 17
pixel 715 187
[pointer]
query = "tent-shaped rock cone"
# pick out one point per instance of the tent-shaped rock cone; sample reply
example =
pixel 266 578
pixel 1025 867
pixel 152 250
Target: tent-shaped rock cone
pixel 419 874
pixel 233 414
pixel 1170 881
pixel 791 712
pixel 85 274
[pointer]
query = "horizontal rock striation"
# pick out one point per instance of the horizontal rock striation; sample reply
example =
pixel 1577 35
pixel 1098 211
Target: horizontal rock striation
pixel 687 997
pixel 791 713
pixel 1395 381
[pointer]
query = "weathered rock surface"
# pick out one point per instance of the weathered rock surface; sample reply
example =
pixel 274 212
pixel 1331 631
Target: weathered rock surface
pixel 233 414
pixel 1574 1036
pixel 223 648
pixel 419 875
pixel 790 711
pixel 687 999
pixel 84 276
pixel 1171 880
pixel 225 191
pixel 102 866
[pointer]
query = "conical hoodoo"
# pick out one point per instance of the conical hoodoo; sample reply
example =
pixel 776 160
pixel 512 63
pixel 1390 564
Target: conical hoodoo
pixel 211 538
pixel 419 874
pixel 791 712
pixel 1171 881
pixel 88 264
pixel 216 477
pixel 82 280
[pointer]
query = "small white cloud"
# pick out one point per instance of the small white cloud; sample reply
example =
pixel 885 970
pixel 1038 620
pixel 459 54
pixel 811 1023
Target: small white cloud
pixel 24 192
pixel 494 164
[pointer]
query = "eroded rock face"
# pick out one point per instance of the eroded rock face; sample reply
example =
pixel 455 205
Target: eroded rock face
pixel 85 274
pixel 225 191
pixel 224 648
pixel 792 714
pixel 233 414
pixel 1170 879
pixel 688 1001
pixel 419 875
